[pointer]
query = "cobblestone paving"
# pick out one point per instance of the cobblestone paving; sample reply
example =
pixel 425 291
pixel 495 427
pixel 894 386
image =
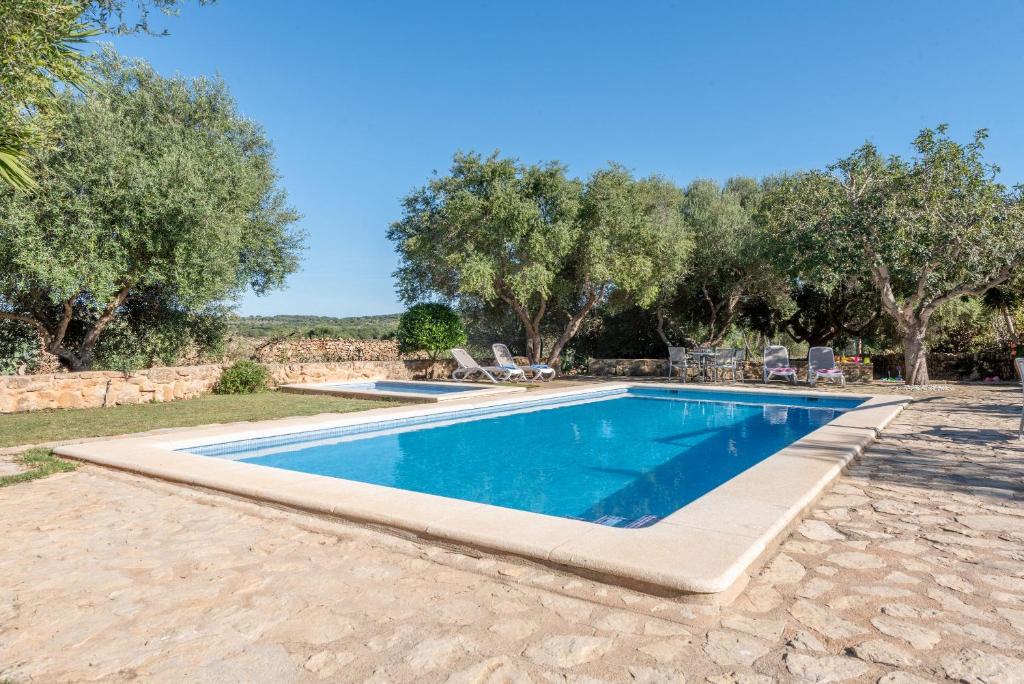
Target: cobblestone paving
pixel 910 570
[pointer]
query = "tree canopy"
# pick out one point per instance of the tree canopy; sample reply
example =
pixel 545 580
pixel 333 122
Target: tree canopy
pixel 924 230
pixel 541 243
pixel 730 262
pixel 158 190
pixel 40 54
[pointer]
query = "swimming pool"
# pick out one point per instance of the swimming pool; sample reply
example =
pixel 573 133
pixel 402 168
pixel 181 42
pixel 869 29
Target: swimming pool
pixel 405 390
pixel 625 458
pixel 529 475
pixel 405 387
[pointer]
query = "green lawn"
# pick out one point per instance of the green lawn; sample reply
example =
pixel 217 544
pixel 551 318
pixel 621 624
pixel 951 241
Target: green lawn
pixel 48 426
pixel 38 463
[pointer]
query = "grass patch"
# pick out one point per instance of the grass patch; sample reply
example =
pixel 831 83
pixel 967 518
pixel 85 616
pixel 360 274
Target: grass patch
pixel 49 426
pixel 40 463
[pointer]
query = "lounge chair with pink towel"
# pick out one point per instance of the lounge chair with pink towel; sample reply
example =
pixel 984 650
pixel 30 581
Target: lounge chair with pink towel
pixel 776 364
pixel 821 363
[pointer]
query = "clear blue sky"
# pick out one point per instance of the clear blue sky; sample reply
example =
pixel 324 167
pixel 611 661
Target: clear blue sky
pixel 363 100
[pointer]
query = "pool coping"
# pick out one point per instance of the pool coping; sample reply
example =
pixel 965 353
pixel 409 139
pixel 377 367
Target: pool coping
pixel 333 389
pixel 704 548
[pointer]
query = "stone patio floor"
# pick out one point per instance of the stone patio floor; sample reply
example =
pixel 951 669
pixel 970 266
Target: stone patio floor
pixel 910 570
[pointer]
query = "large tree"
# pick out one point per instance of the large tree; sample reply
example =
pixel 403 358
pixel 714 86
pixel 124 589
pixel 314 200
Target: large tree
pixel 548 247
pixel 925 230
pixel 729 264
pixel 153 183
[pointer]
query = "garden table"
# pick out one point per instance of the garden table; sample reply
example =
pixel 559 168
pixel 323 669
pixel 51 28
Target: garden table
pixel 705 359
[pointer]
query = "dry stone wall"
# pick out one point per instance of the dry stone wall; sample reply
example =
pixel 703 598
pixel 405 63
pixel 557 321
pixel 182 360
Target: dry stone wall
pixel 955 367
pixel 94 389
pixel 104 388
pixel 326 351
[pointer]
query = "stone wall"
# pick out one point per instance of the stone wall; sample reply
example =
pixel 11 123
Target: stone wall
pixel 960 366
pixel 752 370
pixel 325 351
pixel 111 388
pixel 410 369
pixel 104 388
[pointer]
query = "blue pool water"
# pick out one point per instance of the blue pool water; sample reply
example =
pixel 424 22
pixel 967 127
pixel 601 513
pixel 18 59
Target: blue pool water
pixel 402 387
pixel 624 458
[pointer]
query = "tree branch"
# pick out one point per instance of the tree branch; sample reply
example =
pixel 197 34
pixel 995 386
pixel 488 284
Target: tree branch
pixel 40 328
pixel 91 337
pixel 966 290
pixel 62 327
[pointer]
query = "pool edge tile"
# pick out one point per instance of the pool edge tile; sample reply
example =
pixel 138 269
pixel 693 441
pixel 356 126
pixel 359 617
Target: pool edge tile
pixel 676 557
pixel 488 526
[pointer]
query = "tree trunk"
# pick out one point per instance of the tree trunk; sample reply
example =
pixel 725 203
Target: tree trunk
pixel 573 326
pixel 533 346
pixel 1011 328
pixel 915 355
pixel 531 324
pixel 660 315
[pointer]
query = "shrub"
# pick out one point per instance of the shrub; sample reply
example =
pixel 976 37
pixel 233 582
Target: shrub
pixel 242 377
pixel 19 347
pixel 430 327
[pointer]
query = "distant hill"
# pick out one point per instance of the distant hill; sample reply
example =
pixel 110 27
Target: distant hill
pixel 351 327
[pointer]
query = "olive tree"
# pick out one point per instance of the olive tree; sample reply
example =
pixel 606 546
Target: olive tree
pixel 729 263
pixel 40 53
pixel 548 247
pixel 154 183
pixel 924 230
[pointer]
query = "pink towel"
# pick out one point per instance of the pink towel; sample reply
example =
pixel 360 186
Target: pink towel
pixel 829 371
pixel 782 369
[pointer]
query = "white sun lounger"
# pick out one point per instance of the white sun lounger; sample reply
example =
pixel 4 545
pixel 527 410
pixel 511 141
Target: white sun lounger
pixel 505 359
pixel 776 364
pixel 468 367
pixel 821 363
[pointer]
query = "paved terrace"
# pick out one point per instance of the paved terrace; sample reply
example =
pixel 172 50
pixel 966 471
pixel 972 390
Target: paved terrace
pixel 910 570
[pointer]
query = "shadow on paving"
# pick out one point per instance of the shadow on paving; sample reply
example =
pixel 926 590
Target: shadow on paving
pixel 939 469
pixel 964 444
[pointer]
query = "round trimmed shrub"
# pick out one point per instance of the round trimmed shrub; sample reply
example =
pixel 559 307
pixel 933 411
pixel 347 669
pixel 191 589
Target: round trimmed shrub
pixel 430 327
pixel 242 377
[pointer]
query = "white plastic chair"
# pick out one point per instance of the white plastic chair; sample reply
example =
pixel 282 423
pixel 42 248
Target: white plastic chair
pixel 776 364
pixel 821 363
pixel 468 367
pixel 505 359
pixel 1020 371
pixel 677 358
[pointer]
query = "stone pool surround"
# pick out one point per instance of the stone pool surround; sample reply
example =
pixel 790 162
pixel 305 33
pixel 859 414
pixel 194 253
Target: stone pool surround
pixel 705 549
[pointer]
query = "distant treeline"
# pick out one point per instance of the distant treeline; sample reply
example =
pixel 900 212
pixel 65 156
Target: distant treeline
pixel 352 327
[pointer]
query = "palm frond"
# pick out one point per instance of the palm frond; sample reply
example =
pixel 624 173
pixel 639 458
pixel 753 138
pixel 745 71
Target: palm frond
pixel 14 172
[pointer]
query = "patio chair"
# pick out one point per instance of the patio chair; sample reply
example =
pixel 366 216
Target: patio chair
pixel 821 363
pixel 468 367
pixel 677 359
pixel 537 371
pixel 1020 371
pixel 725 361
pixel 776 364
